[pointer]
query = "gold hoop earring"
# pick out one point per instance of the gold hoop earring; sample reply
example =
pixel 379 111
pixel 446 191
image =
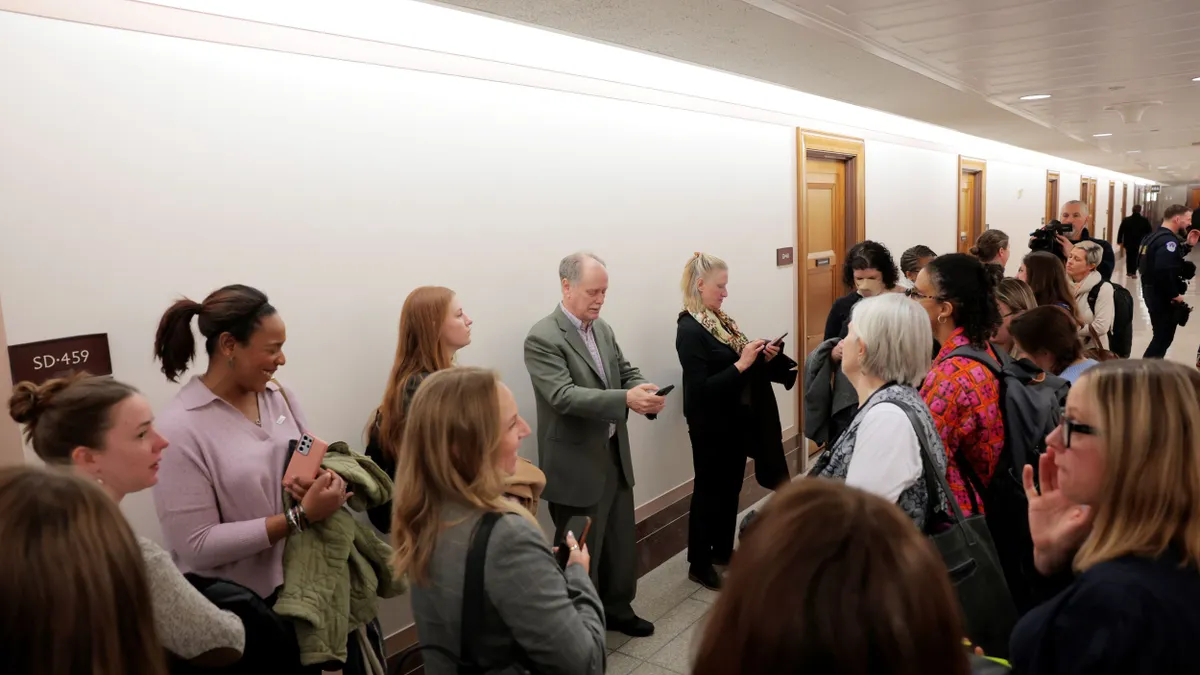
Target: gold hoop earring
pixel 941 319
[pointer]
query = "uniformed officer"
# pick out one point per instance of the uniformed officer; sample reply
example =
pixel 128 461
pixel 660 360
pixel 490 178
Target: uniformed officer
pixel 1164 273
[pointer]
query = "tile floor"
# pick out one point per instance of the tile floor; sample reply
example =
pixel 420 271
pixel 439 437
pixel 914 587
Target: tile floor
pixel 678 606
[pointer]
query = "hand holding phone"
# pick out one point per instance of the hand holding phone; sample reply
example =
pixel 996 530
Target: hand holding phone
pixel 661 392
pixel 306 459
pixel 777 340
pixel 577 529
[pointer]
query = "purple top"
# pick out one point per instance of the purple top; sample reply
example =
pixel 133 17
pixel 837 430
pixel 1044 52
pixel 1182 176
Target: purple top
pixel 219 481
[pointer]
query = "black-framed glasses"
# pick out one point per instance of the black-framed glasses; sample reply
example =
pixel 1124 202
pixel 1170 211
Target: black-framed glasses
pixel 1070 426
pixel 918 295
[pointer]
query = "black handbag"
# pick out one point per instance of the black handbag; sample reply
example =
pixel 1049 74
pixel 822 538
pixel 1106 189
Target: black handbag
pixel 473 606
pixel 966 546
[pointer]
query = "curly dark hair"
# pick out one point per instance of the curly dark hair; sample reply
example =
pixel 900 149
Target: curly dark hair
pixel 870 255
pixel 965 283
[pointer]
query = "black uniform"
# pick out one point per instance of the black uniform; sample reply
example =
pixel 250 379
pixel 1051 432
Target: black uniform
pixel 1134 228
pixel 1162 273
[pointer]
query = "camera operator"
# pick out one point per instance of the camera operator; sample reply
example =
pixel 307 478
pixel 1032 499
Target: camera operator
pixel 1075 214
pixel 1164 274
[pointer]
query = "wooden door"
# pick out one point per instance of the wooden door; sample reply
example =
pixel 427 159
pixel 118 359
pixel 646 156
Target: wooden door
pixel 1112 188
pixel 1124 200
pixel 1051 196
pixel 1087 195
pixel 825 223
pixel 1194 199
pixel 970 210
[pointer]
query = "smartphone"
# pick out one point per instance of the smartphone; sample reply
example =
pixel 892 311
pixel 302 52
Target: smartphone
pixel 665 390
pixel 306 458
pixel 777 340
pixel 579 525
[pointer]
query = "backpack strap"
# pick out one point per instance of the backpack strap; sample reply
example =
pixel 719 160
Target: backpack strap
pixel 1094 294
pixel 474 595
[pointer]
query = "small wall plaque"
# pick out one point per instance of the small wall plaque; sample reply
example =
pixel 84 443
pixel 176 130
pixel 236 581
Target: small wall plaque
pixel 784 257
pixel 40 361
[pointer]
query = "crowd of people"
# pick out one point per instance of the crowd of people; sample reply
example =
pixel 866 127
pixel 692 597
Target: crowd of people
pixel 952 404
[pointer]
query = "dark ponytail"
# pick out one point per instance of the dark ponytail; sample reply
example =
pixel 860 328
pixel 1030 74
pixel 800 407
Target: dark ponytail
pixel 174 343
pixel 237 310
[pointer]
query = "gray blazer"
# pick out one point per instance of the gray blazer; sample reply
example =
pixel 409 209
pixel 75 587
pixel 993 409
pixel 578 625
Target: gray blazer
pixel 575 409
pixel 556 617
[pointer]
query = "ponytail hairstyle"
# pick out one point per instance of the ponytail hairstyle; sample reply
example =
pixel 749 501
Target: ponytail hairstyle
pixel 700 266
pixel 66 413
pixel 965 283
pixel 989 244
pixel 237 310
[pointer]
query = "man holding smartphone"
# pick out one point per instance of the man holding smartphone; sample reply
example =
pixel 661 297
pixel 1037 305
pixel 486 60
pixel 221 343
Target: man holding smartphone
pixel 584 390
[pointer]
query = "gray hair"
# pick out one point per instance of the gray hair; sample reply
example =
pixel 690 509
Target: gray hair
pixel 1094 253
pixel 897 336
pixel 1083 206
pixel 571 267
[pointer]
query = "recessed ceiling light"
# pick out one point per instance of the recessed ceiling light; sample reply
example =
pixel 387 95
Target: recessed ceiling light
pixel 1035 97
pixel 1196 79
pixel 1131 152
pixel 1100 135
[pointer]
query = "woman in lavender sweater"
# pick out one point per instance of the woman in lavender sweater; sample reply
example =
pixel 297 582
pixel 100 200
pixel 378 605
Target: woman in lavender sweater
pixel 219 494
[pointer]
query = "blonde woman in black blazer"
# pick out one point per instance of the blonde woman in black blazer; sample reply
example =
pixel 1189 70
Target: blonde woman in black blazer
pixel 730 409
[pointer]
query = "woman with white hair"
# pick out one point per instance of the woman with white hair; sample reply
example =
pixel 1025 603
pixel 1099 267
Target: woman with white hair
pixel 1082 262
pixel 886 356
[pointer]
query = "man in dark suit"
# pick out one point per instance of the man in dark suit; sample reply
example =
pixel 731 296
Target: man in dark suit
pixel 1133 229
pixel 584 390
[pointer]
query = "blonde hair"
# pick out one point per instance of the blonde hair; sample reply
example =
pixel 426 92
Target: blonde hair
pixel 1150 496
pixel 74 585
pixel 698 267
pixel 448 455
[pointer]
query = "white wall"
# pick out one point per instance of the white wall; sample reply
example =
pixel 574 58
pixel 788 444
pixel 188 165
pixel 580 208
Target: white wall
pixel 135 167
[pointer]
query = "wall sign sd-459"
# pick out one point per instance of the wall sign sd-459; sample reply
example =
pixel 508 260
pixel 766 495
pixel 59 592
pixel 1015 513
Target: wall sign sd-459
pixel 40 361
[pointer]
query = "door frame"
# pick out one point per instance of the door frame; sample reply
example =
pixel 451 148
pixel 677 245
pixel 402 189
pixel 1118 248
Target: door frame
pixel 1124 200
pixel 11 451
pixel 1112 204
pixel 852 151
pixel 1084 183
pixel 1053 194
pixel 979 167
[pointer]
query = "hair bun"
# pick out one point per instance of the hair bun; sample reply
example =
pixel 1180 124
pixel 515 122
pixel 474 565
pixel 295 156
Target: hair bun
pixel 29 400
pixel 974 251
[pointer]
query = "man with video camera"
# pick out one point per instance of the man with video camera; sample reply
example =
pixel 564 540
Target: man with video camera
pixel 1164 274
pixel 1059 237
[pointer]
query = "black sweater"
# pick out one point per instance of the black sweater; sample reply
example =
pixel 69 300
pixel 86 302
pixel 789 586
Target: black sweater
pixel 1123 617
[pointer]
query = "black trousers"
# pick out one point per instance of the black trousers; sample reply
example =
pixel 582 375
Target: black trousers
pixel 611 541
pixel 1163 324
pixel 720 466
pixel 1132 256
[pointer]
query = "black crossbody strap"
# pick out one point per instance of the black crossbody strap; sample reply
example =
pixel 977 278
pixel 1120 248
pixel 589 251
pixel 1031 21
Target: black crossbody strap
pixel 932 477
pixel 474 596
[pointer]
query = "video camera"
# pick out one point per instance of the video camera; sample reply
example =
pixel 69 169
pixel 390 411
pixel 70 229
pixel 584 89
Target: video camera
pixel 1045 238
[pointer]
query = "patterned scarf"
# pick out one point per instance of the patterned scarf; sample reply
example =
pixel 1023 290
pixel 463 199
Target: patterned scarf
pixel 722 327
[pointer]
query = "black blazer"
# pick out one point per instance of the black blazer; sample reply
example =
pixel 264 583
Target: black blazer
pixel 717 398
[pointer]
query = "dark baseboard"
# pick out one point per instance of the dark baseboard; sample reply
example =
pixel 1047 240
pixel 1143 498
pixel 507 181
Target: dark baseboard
pixel 661 533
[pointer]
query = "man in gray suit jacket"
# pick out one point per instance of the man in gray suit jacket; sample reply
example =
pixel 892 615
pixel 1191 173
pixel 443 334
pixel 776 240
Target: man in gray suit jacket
pixel 585 389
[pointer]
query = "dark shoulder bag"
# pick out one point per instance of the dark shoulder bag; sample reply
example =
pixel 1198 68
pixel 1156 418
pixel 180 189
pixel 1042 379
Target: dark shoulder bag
pixel 473 608
pixel 966 546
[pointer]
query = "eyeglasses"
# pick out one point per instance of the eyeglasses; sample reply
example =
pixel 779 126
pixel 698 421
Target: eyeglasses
pixel 1070 426
pixel 918 295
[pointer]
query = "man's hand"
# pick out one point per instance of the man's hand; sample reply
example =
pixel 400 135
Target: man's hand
pixel 1193 237
pixel 643 401
pixel 1066 245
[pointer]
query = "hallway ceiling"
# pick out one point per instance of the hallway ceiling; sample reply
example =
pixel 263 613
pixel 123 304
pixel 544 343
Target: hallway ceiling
pixel 961 64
